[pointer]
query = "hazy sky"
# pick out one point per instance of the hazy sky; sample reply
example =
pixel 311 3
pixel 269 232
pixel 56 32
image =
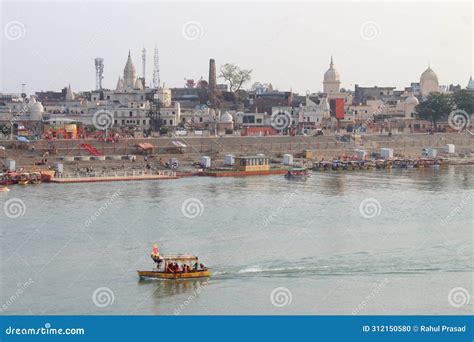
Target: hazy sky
pixel 286 43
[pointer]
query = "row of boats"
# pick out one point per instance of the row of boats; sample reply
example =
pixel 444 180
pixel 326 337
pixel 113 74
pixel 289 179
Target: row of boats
pixel 339 165
pixel 24 178
pixel 351 165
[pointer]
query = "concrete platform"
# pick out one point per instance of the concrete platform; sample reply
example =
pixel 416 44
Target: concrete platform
pixel 111 179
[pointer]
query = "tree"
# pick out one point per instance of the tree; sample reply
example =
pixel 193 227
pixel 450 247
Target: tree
pixel 464 99
pixel 434 108
pixel 235 76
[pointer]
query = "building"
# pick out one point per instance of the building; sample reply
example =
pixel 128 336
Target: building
pixel 263 102
pixel 252 163
pixel 470 84
pixel 364 94
pixel 428 82
pixel 331 81
pixel 314 114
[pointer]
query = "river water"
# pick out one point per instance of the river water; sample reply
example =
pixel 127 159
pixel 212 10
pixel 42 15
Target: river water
pixel 375 242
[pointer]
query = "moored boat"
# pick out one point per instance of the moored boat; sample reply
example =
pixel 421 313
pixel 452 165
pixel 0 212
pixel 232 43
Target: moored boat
pixel 9 178
pixel 24 178
pixel 297 173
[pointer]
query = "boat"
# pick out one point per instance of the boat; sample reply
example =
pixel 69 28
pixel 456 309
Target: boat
pixel 4 189
pixel 9 178
pixel 297 173
pixel 176 266
pixel 35 178
pixel 322 166
pixel 24 178
pixel 47 175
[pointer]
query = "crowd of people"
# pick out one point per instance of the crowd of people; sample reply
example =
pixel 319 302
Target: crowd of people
pixel 173 267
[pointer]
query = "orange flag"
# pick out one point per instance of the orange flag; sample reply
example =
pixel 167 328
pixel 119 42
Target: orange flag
pixel 155 249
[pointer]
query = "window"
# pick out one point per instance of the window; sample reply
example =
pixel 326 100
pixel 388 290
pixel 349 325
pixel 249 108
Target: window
pixel 259 121
pixel 200 119
pixel 130 113
pixel 144 122
pixel 123 122
pixel 249 119
pixel 164 122
pixel 115 121
pixel 171 122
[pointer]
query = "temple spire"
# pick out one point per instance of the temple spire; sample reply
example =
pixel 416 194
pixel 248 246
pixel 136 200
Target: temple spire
pixel 332 64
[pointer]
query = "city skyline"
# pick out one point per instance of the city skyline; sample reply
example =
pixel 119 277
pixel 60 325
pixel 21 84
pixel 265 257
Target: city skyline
pixel 287 49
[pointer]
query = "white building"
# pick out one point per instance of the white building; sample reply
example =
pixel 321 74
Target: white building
pixel 331 81
pixel 315 112
pixel 428 82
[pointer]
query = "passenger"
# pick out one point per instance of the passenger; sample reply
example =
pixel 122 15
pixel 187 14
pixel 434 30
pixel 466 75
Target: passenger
pixel 177 269
pixel 169 268
pixel 195 266
pixel 202 266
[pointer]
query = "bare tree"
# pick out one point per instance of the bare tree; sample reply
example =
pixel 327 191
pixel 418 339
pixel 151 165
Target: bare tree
pixel 235 76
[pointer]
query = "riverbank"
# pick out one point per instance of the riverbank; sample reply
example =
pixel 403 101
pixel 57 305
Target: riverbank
pixel 118 156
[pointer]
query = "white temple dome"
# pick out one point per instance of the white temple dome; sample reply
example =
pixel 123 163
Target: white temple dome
pixel 428 82
pixel 428 75
pixel 331 75
pixel 129 74
pixel 470 84
pixel 119 84
pixel 138 84
pixel 226 118
pixel 412 100
pixel 37 107
pixel 129 69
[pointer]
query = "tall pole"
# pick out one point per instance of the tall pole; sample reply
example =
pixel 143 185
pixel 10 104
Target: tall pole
pixel 143 64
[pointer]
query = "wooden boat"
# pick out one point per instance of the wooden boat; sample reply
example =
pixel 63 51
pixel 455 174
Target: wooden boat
pixel 35 178
pixel 24 179
pixel 322 166
pixel 178 266
pixel 178 275
pixel 47 175
pixel 9 178
pixel 297 172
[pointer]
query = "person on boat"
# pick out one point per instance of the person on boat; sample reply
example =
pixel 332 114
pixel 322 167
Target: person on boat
pixel 195 266
pixel 202 266
pixel 176 267
pixel 169 268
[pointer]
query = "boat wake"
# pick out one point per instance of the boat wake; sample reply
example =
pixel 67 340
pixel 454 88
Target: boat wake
pixel 349 265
